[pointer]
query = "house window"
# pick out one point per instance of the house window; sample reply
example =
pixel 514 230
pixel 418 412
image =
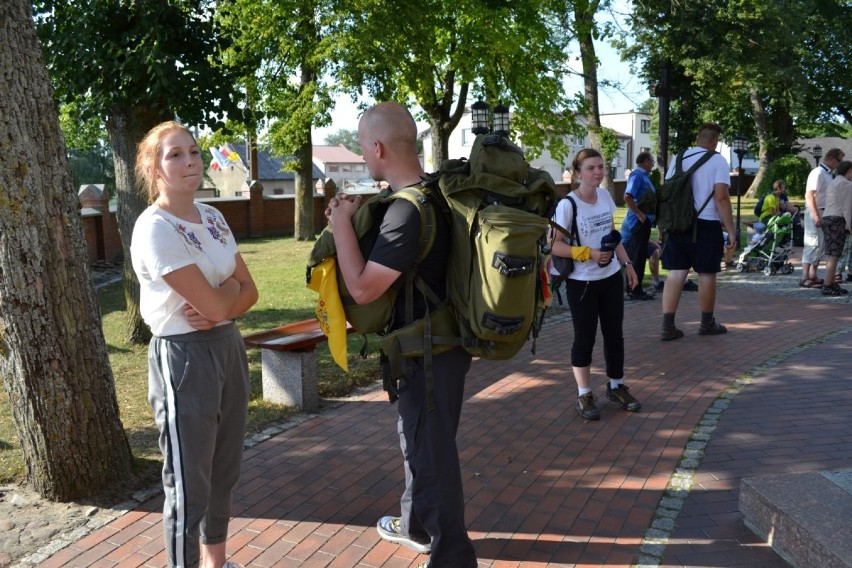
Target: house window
pixel 644 126
pixel 646 150
pixel 468 137
pixel 278 191
pixel 333 167
pixel 346 167
pixel 359 167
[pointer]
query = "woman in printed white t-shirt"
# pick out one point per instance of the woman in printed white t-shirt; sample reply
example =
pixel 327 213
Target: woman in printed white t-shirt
pixel 595 289
pixel 193 283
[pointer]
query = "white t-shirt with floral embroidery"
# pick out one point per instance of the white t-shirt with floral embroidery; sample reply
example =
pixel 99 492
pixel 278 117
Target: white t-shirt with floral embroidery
pixel 163 243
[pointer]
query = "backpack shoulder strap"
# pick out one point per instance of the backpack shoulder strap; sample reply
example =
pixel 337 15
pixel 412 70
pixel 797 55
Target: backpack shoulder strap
pixel 574 232
pixel 700 162
pixel 679 163
pixel 421 200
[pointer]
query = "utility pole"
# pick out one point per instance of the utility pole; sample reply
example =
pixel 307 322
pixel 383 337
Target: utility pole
pixel 664 93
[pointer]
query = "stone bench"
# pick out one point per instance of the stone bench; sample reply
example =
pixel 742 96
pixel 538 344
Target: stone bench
pixel 289 363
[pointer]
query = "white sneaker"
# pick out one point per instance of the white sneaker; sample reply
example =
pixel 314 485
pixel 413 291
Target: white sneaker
pixel 389 529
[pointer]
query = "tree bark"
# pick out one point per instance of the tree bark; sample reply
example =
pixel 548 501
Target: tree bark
pixel 126 129
pixel 53 356
pixel 304 222
pixel 762 129
pixel 444 117
pixel 304 179
pixel 584 24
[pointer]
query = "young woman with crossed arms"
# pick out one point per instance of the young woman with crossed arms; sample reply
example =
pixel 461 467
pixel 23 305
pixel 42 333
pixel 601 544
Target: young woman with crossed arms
pixel 193 283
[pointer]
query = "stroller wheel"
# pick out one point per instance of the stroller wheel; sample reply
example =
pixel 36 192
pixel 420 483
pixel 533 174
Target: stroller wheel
pixel 768 270
pixel 788 269
pixel 740 267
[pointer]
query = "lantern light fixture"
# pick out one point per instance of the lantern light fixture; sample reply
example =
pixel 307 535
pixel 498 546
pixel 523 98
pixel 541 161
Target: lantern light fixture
pixel 501 120
pixel 479 117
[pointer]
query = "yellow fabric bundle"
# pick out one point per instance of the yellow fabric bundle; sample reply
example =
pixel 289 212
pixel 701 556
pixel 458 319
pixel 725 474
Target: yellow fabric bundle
pixel 329 312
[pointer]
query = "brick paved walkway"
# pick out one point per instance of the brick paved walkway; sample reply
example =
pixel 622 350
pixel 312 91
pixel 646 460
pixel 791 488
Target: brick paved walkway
pixel 543 486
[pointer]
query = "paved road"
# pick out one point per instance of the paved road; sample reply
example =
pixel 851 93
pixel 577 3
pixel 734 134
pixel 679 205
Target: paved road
pixel 543 486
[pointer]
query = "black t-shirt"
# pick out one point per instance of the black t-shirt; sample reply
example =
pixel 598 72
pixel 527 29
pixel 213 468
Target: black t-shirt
pixel 396 248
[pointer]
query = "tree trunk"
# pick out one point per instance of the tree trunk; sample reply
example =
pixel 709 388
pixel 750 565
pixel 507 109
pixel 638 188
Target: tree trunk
pixel 762 129
pixel 53 356
pixel 440 140
pixel 443 118
pixel 304 222
pixel 584 23
pixel 126 129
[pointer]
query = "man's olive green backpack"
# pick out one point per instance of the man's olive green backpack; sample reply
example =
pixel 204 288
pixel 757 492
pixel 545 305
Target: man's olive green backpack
pixel 498 208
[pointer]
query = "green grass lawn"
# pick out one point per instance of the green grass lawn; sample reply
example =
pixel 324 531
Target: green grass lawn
pixel 278 267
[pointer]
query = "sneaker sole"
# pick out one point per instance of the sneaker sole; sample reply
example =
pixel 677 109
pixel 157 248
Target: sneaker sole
pixel 403 540
pixel 615 399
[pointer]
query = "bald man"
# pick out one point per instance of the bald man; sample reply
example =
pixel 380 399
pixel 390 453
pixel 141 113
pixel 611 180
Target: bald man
pixel 432 504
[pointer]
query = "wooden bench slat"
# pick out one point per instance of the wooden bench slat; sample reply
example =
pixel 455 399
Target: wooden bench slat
pixel 298 336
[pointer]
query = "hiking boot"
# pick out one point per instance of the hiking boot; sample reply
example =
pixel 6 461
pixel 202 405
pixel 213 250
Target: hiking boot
pixel 586 406
pixel 389 529
pixel 713 329
pixel 670 332
pixel 690 286
pixel 622 396
pixel 658 286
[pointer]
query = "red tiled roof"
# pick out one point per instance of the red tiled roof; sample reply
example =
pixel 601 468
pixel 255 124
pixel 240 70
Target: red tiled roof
pixel 337 155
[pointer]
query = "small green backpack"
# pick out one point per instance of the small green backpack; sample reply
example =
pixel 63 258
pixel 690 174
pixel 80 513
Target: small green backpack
pixel 376 316
pixel 675 205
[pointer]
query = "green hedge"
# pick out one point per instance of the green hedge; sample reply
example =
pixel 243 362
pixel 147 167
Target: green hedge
pixel 792 169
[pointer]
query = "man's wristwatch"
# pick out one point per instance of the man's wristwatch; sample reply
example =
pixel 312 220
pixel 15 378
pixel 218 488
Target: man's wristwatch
pixel 626 263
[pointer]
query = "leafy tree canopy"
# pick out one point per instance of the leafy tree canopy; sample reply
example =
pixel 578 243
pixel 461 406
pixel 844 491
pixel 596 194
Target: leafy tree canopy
pixel 106 54
pixel 437 51
pixel 348 138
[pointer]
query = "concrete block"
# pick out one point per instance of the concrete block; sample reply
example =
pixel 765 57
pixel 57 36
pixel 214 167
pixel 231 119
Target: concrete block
pixel 290 378
pixel 804 517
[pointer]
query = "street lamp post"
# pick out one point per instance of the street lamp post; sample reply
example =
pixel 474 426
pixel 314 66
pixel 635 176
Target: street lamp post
pixel 817 152
pixel 740 145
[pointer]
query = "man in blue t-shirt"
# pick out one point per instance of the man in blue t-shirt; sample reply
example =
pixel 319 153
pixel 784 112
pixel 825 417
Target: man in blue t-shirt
pixel 636 227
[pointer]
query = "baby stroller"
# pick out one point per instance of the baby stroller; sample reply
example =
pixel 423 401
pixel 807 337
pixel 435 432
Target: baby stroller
pixel 770 248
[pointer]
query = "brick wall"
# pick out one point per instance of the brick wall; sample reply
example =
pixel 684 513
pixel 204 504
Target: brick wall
pixel 257 216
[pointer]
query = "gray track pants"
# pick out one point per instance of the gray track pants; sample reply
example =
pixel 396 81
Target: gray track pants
pixel 198 388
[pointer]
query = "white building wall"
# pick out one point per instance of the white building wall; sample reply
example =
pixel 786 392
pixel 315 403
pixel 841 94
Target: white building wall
pixel 635 125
